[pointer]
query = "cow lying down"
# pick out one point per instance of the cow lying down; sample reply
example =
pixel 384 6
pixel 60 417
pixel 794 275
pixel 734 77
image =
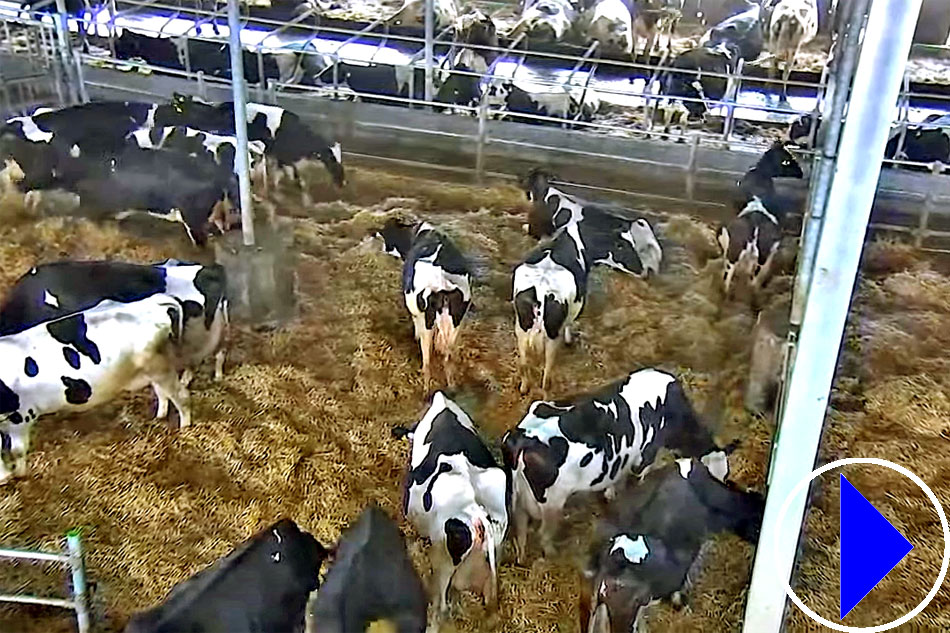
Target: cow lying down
pixel 593 443
pixel 86 359
pixel 647 546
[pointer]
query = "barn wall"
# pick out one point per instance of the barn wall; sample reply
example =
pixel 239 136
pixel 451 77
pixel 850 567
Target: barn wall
pixel 649 168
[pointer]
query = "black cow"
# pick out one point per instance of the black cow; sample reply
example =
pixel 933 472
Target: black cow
pixel 927 142
pixel 743 30
pixel 436 285
pixel 593 442
pixel 652 538
pixel 57 289
pixel 385 80
pixel 287 139
pixel 371 579
pixel 162 183
pixel 262 585
pixel 750 241
pixel 549 287
pixel 688 89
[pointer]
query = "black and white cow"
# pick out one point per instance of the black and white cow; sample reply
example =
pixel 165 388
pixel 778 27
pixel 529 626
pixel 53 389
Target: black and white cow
pixel 371 579
pixel 652 539
pixel 86 359
pixel 792 24
pixel 545 20
pixel 743 29
pixel 457 496
pixel 928 142
pixel 163 183
pixel 368 79
pixel 610 24
pixel 559 102
pixel 549 287
pixel 553 208
pixel 686 86
pixel 592 443
pixel 57 289
pixel 750 241
pixel 287 139
pixel 412 13
pixel 436 286
pixel 262 585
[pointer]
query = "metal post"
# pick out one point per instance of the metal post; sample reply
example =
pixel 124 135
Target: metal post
pixel 482 138
pixel 888 36
pixel 734 83
pixel 260 73
pixel 240 121
pixel 691 167
pixel 66 49
pixel 430 37
pixel 78 570
pixel 80 82
pixel 929 203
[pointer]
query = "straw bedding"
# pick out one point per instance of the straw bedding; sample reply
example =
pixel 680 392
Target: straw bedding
pixel 300 426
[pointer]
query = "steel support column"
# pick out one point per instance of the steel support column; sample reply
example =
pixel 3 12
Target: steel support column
pixel 240 121
pixel 430 43
pixel 887 41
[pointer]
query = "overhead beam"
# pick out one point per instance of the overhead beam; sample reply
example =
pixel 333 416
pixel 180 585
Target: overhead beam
pixel 887 40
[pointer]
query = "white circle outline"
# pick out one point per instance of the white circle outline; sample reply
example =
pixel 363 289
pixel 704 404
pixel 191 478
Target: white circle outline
pixel 946 544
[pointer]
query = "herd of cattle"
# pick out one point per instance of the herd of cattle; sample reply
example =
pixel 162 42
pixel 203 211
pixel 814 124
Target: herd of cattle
pixel 692 81
pixel 76 334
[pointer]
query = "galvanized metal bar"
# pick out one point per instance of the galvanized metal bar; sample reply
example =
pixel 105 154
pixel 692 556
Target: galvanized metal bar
pixel 78 567
pixel 691 167
pixel 49 602
pixel 240 122
pixel 47 557
pixel 929 203
pixel 430 31
pixel 843 73
pixel 260 72
pixel 482 139
pixel 66 48
pixel 733 92
pixel 887 38
pixel 80 82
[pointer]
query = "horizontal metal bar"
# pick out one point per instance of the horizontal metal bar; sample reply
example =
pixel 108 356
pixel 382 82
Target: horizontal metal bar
pixel 42 556
pixel 52 602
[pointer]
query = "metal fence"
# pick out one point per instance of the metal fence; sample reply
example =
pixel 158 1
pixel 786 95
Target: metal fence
pixel 72 558
pixel 747 101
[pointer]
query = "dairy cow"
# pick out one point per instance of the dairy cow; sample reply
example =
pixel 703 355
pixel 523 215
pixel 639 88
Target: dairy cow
pixel 371 579
pixel 792 24
pixel 53 290
pixel 457 496
pixel 560 102
pixel 286 138
pixel 262 585
pixel 549 287
pixel 743 30
pixel 687 89
pixel 436 286
pixel 88 358
pixel 592 443
pixel 652 538
pixel 750 241
pixel 610 24
pixel 546 20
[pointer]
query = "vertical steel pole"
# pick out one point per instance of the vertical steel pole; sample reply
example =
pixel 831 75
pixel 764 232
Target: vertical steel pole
pixel 240 121
pixel 78 569
pixel 430 38
pixel 888 36
pixel 66 50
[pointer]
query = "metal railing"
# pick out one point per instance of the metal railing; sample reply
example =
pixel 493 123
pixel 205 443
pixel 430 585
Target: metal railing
pixel 71 558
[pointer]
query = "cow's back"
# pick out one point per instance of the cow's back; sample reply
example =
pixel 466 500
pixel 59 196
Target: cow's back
pixel 260 587
pixel 56 289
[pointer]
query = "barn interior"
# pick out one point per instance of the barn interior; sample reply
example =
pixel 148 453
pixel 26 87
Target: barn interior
pixel 300 427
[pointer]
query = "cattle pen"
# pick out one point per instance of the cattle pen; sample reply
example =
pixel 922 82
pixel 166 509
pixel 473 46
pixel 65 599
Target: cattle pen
pixel 300 425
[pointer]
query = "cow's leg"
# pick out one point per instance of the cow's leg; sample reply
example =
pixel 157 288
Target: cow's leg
pixel 442 571
pixel 550 520
pixel 727 277
pixel 305 198
pixel 520 525
pixel 568 336
pixel 161 409
pixel 764 273
pixel 219 364
pixel 425 343
pixel 19 447
pixel 550 351
pixel 177 392
pixel 6 474
pixel 524 342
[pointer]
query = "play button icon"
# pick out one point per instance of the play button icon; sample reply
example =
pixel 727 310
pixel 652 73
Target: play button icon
pixel 870 547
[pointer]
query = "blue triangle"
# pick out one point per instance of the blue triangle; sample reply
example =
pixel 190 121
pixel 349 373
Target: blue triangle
pixel 870 547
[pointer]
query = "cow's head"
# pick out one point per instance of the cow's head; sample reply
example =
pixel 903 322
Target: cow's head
pixel 799 131
pixel 536 182
pixel 545 20
pixel 619 593
pixel 649 254
pixel 396 235
pixel 332 159
pixel 611 27
pixel 778 162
